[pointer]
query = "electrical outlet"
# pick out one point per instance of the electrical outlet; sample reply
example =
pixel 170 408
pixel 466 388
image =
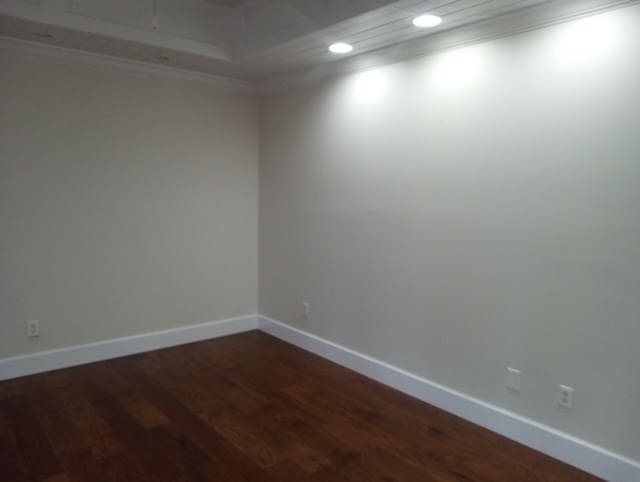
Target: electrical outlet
pixel 306 310
pixel 513 380
pixel 33 328
pixel 565 399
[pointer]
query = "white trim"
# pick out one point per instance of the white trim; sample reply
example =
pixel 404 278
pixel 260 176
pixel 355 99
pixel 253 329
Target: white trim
pixel 69 20
pixel 103 350
pixel 108 62
pixel 571 450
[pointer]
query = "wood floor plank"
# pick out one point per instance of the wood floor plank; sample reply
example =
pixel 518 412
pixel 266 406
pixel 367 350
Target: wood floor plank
pixel 11 388
pixel 31 442
pixel 12 465
pixel 83 454
pixel 58 478
pixel 221 452
pixel 244 408
pixel 146 446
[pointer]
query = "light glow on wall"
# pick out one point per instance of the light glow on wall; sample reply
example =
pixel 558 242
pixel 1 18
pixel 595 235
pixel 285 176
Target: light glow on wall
pixel 458 67
pixel 587 37
pixel 370 86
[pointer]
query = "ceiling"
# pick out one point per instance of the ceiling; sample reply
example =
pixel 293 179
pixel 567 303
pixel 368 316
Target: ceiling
pixel 259 40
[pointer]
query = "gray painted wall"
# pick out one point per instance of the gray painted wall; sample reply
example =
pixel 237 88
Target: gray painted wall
pixel 128 204
pixel 468 211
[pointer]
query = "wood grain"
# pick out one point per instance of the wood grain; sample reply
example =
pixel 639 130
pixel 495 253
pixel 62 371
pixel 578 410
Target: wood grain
pixel 244 408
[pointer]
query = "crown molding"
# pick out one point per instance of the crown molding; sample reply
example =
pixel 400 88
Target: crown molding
pixel 107 62
pixel 57 16
pixel 520 21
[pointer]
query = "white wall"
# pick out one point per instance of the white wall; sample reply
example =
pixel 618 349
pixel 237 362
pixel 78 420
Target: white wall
pixel 473 210
pixel 128 203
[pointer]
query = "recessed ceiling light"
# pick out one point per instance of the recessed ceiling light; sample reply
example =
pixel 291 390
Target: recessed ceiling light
pixel 340 48
pixel 427 21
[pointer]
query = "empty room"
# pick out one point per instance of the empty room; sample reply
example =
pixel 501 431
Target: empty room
pixel 319 240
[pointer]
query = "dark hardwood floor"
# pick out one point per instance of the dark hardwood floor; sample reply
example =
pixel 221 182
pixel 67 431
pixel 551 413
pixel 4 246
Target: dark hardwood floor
pixel 245 408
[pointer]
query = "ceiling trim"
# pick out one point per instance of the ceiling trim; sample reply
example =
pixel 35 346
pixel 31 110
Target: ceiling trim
pixel 64 19
pixel 107 62
pixel 512 23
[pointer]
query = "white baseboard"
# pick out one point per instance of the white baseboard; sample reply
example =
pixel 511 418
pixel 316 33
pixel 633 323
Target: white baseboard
pixel 579 453
pixel 571 450
pixel 103 350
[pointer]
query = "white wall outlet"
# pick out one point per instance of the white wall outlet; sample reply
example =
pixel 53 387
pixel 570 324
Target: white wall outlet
pixel 33 328
pixel 306 310
pixel 565 399
pixel 513 380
